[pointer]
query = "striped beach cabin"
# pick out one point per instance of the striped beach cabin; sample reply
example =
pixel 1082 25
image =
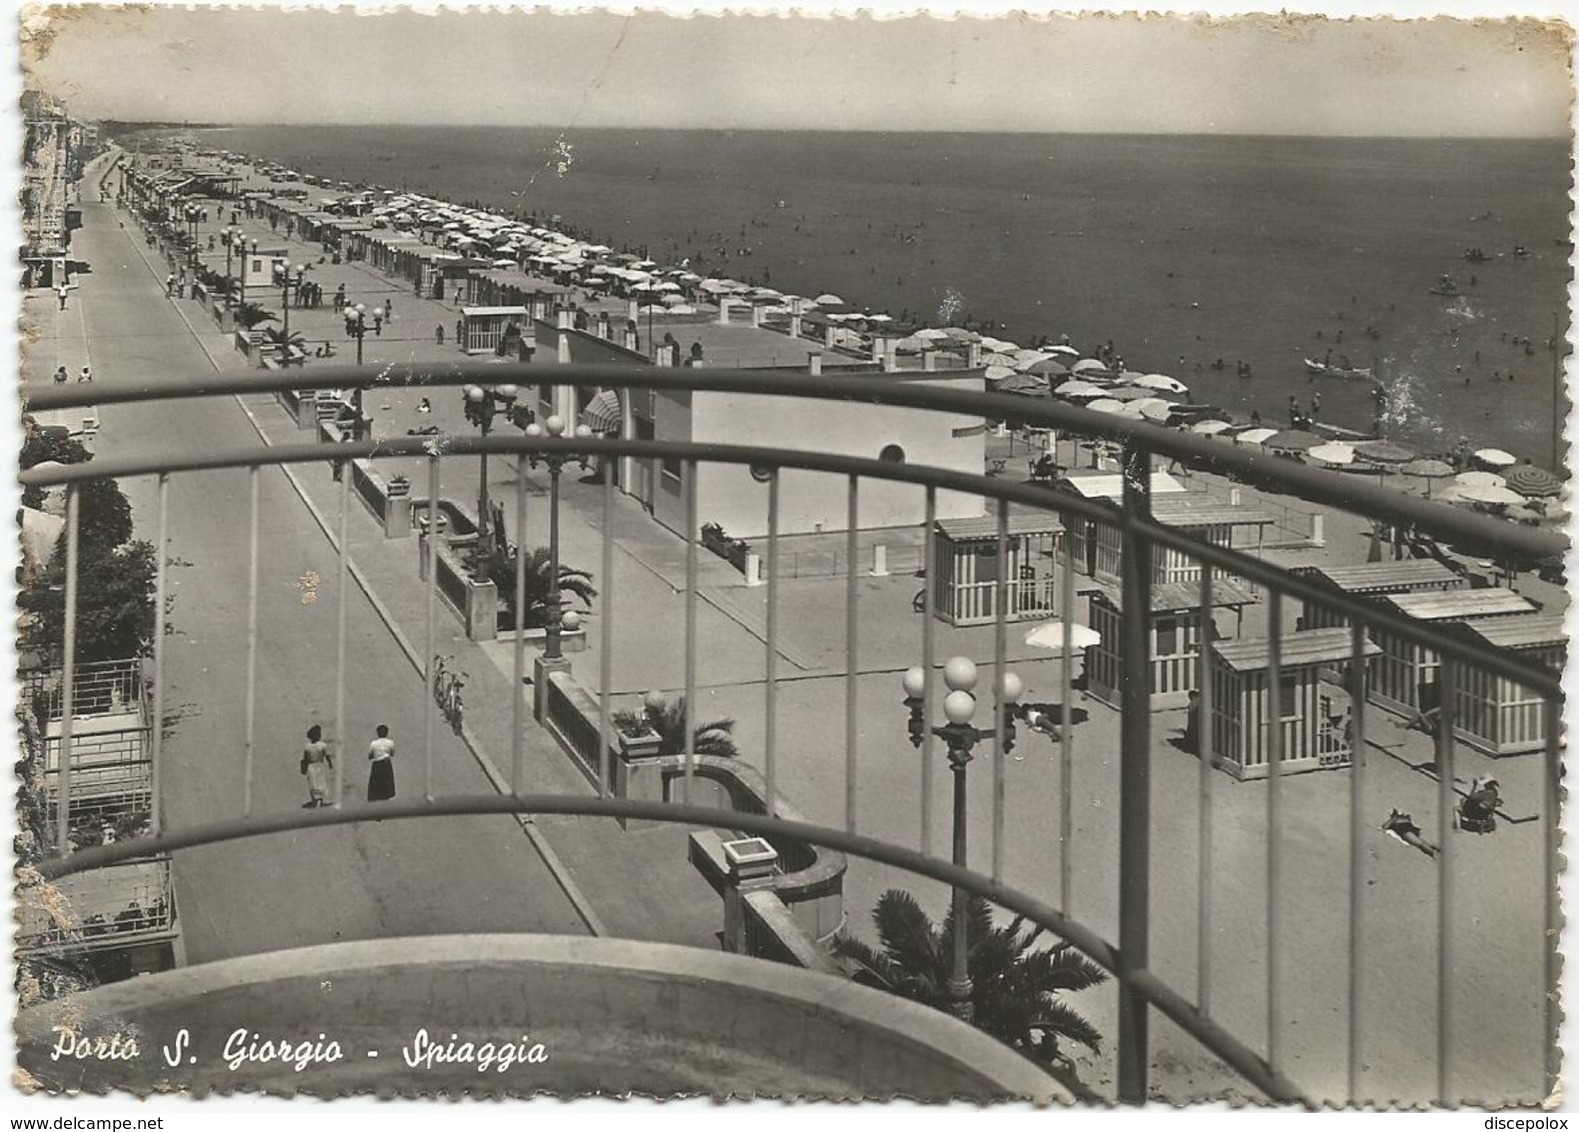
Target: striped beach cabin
pixel 1097 546
pixel 1406 675
pixel 1498 716
pixel 1174 636
pixel 1312 711
pixel 965 568
pixel 1373 579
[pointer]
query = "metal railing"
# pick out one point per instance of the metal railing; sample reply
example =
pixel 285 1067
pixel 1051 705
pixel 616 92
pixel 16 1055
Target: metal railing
pixel 1141 989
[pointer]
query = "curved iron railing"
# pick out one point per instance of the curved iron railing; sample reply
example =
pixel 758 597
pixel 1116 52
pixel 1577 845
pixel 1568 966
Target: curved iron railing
pixel 1139 987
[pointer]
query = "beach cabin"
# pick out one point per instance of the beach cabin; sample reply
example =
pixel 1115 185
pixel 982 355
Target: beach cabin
pixel 1174 637
pixel 1311 709
pixel 1098 549
pixel 485 330
pixel 1499 716
pixel 1374 579
pixel 965 568
pixel 1407 673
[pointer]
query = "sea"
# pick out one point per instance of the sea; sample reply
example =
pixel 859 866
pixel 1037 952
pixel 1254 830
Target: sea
pixel 1190 254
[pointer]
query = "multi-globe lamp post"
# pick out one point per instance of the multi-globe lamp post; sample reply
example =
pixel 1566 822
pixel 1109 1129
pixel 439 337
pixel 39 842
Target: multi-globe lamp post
pixel 286 282
pixel 481 404
pixel 554 427
pixel 960 736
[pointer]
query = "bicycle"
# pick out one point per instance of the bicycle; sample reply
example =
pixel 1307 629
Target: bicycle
pixel 447 684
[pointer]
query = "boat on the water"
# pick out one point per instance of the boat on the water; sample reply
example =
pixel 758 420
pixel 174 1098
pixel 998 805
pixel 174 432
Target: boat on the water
pixel 1343 373
pixel 1445 286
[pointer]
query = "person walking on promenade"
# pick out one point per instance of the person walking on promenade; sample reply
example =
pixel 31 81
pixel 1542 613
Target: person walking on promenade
pixel 60 375
pixel 317 762
pixel 438 334
pixel 62 291
pixel 85 375
pixel 389 309
pixel 381 771
pixel 169 285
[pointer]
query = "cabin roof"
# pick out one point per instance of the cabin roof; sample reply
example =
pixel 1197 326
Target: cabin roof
pixel 986 526
pixel 1460 605
pixel 1533 631
pixel 1386 577
pixel 1172 597
pixel 1303 648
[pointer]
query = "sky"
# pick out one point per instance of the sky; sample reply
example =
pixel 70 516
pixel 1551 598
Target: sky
pixel 654 69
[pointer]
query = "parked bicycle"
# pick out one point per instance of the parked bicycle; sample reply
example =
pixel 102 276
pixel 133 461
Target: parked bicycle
pixel 448 681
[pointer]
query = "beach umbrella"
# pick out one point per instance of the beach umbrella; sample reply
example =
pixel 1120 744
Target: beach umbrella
pixel 1088 365
pixel 1496 496
pixel 1025 359
pixel 1105 405
pixel 1293 440
pixel 1211 428
pixel 682 308
pixel 1062 348
pixel 1479 479
pixel 1022 383
pixel 1528 480
pixel 1050 635
pixel 932 334
pixel 1129 393
pixel 672 301
pixel 1496 458
pixel 878 318
pixel 829 300
pixel 1161 381
pixel 1256 436
pixel 1048 367
pixel 1075 390
pixel 1384 452
pixel 1154 409
pixel 1427 469
pixel 914 344
pixel 997 358
pixel 960 334
pixel 998 373
pixel 1333 453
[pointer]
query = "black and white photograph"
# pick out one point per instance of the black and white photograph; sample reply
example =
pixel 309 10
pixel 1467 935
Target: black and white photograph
pixel 751 556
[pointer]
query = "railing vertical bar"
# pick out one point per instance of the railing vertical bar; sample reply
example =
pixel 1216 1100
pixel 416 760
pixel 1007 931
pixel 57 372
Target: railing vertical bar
pixel 1447 674
pixel 1274 817
pixel 432 625
pixel 68 665
pixel 161 589
pixel 1551 787
pixel 1358 683
pixel 770 746
pixel 851 654
pixel 928 656
pixel 1201 726
pixel 1066 734
pixel 518 652
pixel 691 538
pixel 1135 778
pixel 1000 652
pixel 252 629
pixel 342 617
pixel 606 641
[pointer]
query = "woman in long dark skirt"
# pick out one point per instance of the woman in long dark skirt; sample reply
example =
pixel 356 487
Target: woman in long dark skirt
pixel 381 768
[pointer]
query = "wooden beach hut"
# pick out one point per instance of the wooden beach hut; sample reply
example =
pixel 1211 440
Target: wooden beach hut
pixel 1407 673
pixel 965 568
pixel 1311 709
pixel 1498 716
pixel 1174 636
pixel 484 329
pixel 1097 546
pixel 1373 579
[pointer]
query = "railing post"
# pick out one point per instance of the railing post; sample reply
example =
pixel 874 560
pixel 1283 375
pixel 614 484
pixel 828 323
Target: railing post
pixel 1134 777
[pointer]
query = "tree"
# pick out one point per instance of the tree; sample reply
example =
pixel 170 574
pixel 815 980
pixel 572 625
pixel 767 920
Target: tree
pixel 714 738
pixel 115 603
pixel 249 315
pixel 539 587
pixel 104 516
pixel 1016 992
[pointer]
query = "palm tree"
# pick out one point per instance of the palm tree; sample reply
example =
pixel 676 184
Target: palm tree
pixel 669 721
pixel 539 587
pixel 1015 991
pixel 249 315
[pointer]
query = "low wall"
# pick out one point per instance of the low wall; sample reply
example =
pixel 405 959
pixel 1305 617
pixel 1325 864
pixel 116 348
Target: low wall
pixel 251 348
pixel 475 602
pixel 388 502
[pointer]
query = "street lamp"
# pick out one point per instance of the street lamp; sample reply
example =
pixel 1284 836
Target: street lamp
pixel 960 736
pixel 482 404
pixel 285 305
pixel 243 252
pixel 555 426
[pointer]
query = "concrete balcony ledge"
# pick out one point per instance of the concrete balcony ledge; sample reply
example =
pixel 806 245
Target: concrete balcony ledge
pixel 610 1016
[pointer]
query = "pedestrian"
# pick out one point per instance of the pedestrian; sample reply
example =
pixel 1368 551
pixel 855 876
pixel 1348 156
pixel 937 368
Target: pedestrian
pixel 378 325
pixel 1191 739
pixel 317 762
pixel 438 334
pixel 62 290
pixel 389 309
pixel 169 285
pixel 381 771
pixel 60 375
pixel 85 375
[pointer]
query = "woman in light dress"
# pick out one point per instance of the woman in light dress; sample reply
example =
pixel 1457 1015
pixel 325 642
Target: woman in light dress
pixel 316 765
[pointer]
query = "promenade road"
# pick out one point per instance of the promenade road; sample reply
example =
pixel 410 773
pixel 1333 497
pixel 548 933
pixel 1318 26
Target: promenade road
pixel 352 882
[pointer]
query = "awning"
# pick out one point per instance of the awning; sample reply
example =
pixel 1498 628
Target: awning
pixel 603 413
